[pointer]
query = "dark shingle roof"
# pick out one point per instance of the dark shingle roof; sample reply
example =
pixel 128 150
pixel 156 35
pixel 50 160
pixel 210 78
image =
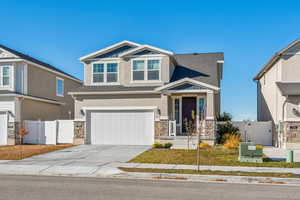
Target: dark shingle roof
pixel 115 88
pixel 31 59
pixel 199 66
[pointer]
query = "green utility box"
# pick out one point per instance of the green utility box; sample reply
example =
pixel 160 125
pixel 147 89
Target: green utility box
pixel 248 152
pixel 289 156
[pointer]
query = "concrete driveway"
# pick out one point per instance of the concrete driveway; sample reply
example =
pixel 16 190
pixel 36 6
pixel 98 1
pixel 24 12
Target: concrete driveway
pixel 85 155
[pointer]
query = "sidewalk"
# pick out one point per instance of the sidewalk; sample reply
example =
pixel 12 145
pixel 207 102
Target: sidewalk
pixel 112 170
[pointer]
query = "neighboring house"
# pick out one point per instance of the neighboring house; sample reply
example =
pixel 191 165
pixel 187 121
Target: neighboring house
pixel 278 95
pixel 31 90
pixel 132 92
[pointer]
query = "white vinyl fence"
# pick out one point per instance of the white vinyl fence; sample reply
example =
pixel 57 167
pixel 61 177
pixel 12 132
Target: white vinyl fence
pixel 256 131
pixel 65 131
pixel 49 132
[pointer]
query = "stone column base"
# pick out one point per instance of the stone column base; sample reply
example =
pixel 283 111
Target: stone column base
pixel 12 134
pixel 79 132
pixel 161 128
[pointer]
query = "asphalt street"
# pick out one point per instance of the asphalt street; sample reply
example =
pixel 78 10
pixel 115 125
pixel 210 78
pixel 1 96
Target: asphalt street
pixel 44 188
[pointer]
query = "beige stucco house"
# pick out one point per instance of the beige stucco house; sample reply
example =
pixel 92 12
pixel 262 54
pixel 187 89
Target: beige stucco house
pixel 134 93
pixel 278 95
pixel 31 90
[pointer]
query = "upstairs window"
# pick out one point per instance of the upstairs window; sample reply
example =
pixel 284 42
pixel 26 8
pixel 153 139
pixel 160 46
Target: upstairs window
pixel 98 73
pixel 105 73
pixel 59 87
pixel 146 70
pixel 5 77
pixel 153 69
pixel 138 70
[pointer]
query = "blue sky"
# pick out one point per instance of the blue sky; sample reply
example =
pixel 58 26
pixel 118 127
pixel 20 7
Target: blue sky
pixel 59 32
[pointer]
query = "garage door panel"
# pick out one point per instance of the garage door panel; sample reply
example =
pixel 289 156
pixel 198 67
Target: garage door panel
pixel 122 127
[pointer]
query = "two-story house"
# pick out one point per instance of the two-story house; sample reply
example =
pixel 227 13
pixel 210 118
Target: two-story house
pixel 31 90
pixel 132 92
pixel 278 95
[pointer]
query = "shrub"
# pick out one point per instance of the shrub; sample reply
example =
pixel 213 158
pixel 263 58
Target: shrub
pixel 168 145
pixel 204 145
pixel 157 145
pixel 225 128
pixel 232 142
pixel 224 117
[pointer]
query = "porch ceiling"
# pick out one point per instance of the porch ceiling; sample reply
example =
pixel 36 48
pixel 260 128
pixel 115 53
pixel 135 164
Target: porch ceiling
pixel 289 88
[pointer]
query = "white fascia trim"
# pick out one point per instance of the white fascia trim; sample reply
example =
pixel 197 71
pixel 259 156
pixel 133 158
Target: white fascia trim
pixel 119 108
pixel 187 80
pixel 11 60
pixel 32 98
pixel 117 92
pixel 186 91
pixel 292 119
pixel 107 49
pixel 220 61
pixel 142 47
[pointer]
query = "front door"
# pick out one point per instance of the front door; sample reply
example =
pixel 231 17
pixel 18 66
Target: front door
pixel 189 112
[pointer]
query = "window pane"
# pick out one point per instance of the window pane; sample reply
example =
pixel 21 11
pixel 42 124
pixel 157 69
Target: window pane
pixel 5 71
pixel 98 68
pixel 138 75
pixel 201 108
pixel 98 78
pixel 112 77
pixel 153 64
pixel 112 67
pixel 153 75
pixel 5 80
pixel 138 65
pixel 59 87
pixel 177 111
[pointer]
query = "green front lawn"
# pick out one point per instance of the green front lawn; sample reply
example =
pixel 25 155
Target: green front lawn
pixel 215 156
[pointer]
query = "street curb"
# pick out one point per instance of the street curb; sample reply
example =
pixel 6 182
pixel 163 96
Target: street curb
pixel 210 178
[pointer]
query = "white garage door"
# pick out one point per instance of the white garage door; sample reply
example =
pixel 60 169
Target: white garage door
pixel 3 129
pixel 122 127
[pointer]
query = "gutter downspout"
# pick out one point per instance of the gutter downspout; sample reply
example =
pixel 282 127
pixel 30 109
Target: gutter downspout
pixel 283 140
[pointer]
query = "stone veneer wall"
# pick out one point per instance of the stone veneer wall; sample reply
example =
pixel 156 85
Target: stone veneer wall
pixel 209 132
pixel 161 128
pixel 292 132
pixel 79 132
pixel 13 137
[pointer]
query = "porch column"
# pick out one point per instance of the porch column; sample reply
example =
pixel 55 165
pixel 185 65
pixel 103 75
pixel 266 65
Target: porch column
pixel 210 105
pixel 164 107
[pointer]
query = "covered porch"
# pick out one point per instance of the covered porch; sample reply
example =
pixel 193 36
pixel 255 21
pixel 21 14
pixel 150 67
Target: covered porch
pixel 189 102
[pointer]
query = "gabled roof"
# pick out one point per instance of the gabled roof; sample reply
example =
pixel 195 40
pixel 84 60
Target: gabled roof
pixel 275 58
pixel 109 48
pixel 37 62
pixel 185 81
pixel 203 67
pixel 146 47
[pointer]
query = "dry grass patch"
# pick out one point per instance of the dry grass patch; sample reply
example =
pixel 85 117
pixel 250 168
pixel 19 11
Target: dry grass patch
pixel 214 156
pixel 18 152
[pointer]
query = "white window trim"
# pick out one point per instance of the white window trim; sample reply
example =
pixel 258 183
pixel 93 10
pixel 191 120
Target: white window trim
pixel 11 77
pixel 63 87
pixel 105 73
pixel 146 70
